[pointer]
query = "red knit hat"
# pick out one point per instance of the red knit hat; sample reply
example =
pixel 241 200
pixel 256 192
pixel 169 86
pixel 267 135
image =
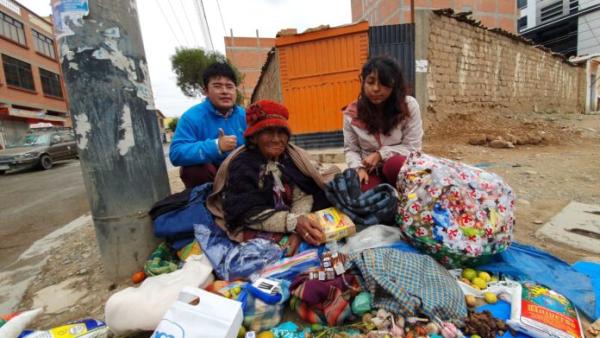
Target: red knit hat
pixel 266 114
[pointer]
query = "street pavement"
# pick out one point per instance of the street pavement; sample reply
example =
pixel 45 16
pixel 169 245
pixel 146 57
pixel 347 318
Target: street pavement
pixel 35 203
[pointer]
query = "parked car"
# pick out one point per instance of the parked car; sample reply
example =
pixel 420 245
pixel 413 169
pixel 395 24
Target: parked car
pixel 39 149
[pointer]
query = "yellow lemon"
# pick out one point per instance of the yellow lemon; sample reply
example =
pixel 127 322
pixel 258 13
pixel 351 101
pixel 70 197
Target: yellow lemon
pixel 484 275
pixel 241 332
pixel 490 298
pixel 469 274
pixel 265 334
pixel 479 283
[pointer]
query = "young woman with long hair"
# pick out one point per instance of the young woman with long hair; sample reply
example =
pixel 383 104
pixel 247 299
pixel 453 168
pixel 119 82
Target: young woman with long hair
pixel 383 126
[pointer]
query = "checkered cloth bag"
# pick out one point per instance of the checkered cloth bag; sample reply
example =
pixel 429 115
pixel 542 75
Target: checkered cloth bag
pixel 410 284
pixel 376 206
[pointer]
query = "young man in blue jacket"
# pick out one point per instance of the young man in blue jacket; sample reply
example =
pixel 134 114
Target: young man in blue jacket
pixel 207 132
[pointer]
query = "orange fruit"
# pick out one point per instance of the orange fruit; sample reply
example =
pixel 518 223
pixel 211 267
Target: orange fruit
pixel 138 277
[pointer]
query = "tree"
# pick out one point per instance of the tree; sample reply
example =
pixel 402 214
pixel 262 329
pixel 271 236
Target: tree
pixel 173 124
pixel 189 64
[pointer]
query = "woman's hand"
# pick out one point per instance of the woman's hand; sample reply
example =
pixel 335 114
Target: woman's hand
pixel 309 230
pixel 363 176
pixel 370 162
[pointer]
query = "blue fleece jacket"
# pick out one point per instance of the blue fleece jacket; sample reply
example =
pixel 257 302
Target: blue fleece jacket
pixel 195 139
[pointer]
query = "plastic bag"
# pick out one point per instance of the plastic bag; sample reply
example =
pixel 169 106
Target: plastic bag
pixel 199 313
pixel 460 215
pixel 143 307
pixel 288 268
pixel 16 323
pixel 232 260
pixel 259 315
pixel 362 303
pixel 374 236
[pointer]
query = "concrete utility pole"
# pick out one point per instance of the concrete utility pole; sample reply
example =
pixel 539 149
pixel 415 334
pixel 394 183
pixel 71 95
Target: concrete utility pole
pixel 111 104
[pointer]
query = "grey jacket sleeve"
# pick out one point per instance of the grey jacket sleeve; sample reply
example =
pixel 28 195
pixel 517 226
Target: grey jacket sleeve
pixel 351 145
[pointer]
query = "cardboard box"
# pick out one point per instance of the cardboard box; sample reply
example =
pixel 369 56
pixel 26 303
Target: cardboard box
pixel 334 223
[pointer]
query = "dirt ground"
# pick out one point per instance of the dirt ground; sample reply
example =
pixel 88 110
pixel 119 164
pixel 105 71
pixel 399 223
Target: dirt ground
pixel 545 177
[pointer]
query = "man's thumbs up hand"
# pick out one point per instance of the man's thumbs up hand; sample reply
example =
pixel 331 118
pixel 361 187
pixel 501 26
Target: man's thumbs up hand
pixel 226 143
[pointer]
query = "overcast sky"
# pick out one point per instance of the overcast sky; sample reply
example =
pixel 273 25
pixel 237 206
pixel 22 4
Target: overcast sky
pixel 166 25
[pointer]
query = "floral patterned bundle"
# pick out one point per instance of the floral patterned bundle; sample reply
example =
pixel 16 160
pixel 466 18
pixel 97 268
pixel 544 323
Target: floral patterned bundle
pixel 456 213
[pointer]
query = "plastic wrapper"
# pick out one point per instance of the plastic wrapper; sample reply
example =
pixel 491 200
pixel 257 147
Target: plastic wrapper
pixel 288 268
pixel 13 324
pixel 87 328
pixel 290 330
pixel 374 236
pixel 460 215
pixel 541 312
pixel 259 315
pixel 232 260
pixel 361 304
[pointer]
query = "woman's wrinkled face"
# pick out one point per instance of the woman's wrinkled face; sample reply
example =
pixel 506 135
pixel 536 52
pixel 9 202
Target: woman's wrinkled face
pixel 375 92
pixel 272 142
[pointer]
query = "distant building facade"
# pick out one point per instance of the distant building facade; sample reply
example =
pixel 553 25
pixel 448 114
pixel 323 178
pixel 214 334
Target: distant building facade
pixel 492 13
pixel 248 55
pixel 570 27
pixel 31 82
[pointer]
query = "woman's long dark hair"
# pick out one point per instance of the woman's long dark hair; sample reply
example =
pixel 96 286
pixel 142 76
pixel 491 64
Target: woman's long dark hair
pixel 395 109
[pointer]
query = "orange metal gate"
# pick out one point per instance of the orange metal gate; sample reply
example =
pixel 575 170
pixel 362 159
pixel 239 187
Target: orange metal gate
pixel 320 75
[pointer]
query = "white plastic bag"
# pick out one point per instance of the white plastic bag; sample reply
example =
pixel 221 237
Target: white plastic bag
pixel 374 236
pixel 142 308
pixel 14 327
pixel 199 313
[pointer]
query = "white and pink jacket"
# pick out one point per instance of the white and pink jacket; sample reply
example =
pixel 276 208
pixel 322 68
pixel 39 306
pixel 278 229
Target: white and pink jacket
pixel 359 143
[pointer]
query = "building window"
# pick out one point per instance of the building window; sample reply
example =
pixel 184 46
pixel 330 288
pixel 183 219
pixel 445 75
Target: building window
pixel 573 6
pixel 522 23
pixel 553 11
pixel 50 83
pixel 43 44
pixel 12 29
pixel 18 73
pixel 521 4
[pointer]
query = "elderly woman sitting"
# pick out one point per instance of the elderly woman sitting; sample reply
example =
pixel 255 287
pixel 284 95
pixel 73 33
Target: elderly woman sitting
pixel 268 185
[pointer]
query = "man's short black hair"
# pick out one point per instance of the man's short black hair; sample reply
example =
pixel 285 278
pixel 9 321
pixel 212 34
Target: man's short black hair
pixel 218 69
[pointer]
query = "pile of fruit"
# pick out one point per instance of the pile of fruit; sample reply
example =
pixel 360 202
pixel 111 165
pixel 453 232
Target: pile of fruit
pixel 478 280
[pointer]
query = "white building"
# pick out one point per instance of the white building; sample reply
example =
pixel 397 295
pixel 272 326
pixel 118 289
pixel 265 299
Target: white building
pixel 588 39
pixel 570 27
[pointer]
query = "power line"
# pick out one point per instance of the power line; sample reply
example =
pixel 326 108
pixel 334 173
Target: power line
pixel 178 24
pixel 222 21
pixel 212 47
pixel 204 23
pixel 189 24
pixel 168 23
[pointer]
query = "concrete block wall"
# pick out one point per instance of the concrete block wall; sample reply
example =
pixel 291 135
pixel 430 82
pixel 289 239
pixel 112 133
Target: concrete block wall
pixel 474 70
pixel 269 87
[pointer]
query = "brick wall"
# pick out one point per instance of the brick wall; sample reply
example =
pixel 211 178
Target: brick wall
pixel 248 54
pixel 269 87
pixel 492 13
pixel 475 70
